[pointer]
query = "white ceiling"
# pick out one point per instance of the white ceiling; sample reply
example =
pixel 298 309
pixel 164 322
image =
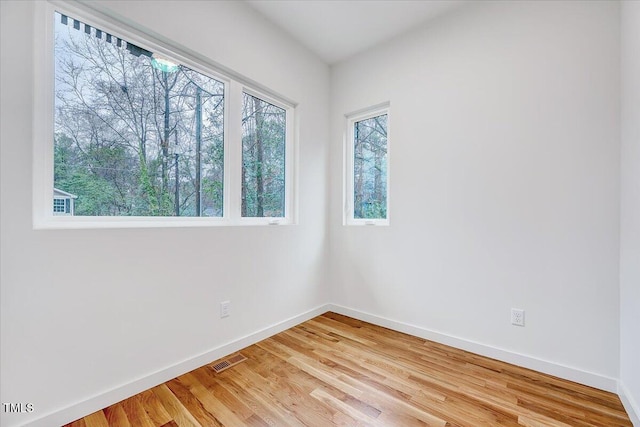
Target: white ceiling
pixel 336 30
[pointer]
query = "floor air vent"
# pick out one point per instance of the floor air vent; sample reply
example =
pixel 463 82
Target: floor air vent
pixel 228 362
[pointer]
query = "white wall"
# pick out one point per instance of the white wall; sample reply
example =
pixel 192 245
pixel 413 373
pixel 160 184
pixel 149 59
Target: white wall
pixel 505 186
pixel 86 311
pixel 504 179
pixel 630 208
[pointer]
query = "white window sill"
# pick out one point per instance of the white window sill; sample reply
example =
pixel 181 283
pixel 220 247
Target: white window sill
pixel 76 222
pixel 368 222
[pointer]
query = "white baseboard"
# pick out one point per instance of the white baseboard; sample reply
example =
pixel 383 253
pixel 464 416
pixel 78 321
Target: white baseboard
pixel 630 405
pixel 573 374
pixel 134 387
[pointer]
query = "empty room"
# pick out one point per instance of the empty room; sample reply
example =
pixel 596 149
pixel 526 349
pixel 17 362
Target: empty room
pixel 319 213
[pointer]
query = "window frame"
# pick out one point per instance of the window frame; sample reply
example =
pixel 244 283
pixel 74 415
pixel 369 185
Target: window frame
pixel 289 150
pixel 349 164
pixel 234 86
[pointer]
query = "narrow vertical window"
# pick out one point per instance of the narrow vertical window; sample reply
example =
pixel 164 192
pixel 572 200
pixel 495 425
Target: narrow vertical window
pixel 263 158
pixel 367 186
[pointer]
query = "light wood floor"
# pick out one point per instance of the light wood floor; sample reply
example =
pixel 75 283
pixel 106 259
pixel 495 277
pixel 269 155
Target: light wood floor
pixel 334 370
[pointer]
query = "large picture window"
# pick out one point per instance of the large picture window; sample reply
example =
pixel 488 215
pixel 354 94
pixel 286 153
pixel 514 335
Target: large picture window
pixel 367 167
pixel 134 135
pixel 143 134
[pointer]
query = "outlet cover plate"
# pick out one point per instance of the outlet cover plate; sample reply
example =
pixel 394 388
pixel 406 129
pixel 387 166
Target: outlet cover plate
pixel 517 317
pixel 225 306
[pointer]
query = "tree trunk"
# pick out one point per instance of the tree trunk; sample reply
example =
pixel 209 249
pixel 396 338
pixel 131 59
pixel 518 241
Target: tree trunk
pixel 198 183
pixel 377 182
pixel 245 189
pixel 177 191
pixel 165 140
pixel 357 174
pixel 257 107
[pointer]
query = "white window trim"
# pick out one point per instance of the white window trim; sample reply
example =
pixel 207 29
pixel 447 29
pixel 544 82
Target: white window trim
pixel 289 172
pixel 349 139
pixel 235 85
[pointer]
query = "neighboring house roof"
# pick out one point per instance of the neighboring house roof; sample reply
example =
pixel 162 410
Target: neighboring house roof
pixel 61 193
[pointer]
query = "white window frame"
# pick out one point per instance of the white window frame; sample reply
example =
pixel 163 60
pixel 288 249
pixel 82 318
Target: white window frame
pixel 289 207
pixel 234 86
pixel 349 142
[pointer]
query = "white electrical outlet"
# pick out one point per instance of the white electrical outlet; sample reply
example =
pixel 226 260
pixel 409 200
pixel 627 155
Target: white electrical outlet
pixel 517 317
pixel 225 306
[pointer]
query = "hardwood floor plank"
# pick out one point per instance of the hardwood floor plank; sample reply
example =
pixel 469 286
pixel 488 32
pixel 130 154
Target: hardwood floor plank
pixel 235 397
pixel 174 407
pixel 261 391
pixel 590 403
pixel 341 406
pixel 136 413
pixel 201 385
pixel 383 370
pixel 194 404
pixel 337 371
pixel 538 422
pixel 97 419
pixel 154 408
pixel 209 397
pixel 116 416
pixel 78 423
pixel 294 392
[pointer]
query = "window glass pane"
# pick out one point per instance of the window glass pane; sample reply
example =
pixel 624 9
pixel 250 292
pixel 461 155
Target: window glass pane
pixel 134 135
pixel 263 158
pixel 58 206
pixel 370 168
